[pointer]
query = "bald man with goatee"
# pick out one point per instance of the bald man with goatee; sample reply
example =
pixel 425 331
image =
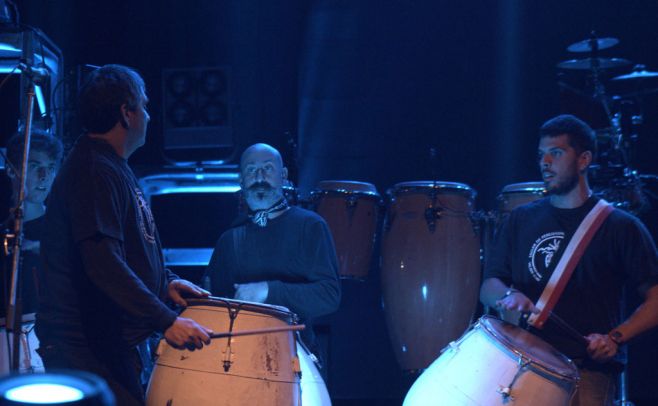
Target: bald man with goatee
pixel 279 254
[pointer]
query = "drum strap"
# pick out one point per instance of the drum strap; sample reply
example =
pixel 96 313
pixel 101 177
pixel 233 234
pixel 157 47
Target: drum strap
pixel 570 258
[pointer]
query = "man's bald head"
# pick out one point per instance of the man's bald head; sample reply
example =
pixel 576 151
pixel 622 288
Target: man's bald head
pixel 262 176
pixel 261 149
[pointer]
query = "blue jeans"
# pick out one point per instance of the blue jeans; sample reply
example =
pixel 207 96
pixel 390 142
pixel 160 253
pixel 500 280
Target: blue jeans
pixel 595 389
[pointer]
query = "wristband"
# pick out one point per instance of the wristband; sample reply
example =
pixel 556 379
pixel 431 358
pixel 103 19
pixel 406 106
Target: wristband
pixel 616 336
pixel 509 292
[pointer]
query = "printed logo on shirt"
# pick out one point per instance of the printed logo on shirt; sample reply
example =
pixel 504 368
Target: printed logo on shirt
pixel 543 253
pixel 145 217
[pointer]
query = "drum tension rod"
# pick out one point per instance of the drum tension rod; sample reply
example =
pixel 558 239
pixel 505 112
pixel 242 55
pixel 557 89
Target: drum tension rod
pixel 233 314
pixel 351 202
pixel 431 215
pixel 506 392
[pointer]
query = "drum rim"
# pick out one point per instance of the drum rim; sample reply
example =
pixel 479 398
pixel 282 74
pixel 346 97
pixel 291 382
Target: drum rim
pixel 440 186
pixel 26 318
pixel 502 340
pixel 341 192
pixel 279 312
pixel 537 187
pixel 319 190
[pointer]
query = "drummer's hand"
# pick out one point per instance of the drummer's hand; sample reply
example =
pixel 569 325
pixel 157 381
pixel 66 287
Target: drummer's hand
pixel 601 348
pixel 517 301
pixel 187 333
pixel 252 292
pixel 179 287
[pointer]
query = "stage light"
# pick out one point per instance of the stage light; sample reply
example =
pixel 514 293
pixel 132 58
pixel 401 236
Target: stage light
pixel 44 393
pixel 41 100
pixel 60 388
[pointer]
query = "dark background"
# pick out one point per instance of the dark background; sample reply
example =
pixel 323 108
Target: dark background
pixel 367 87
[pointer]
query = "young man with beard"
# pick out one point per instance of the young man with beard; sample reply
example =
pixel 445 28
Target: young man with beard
pixel 103 286
pixel 280 255
pixel 42 164
pixel 531 242
pixel 44 159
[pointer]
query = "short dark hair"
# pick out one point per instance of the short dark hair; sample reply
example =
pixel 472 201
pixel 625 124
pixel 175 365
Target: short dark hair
pixel 39 141
pixel 103 93
pixel 580 134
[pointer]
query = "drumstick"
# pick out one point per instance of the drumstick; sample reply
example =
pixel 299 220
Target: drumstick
pixel 296 327
pixel 568 329
pixel 615 364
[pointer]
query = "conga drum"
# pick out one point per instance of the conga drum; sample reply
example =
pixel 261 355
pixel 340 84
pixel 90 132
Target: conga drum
pixel 291 194
pixel 430 268
pixel 496 363
pixel 518 194
pixel 351 210
pixel 251 370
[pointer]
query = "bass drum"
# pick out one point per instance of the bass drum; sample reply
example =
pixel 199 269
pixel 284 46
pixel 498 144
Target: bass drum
pixel 351 210
pixel 496 363
pixel 251 370
pixel 28 358
pixel 314 390
pixel 430 268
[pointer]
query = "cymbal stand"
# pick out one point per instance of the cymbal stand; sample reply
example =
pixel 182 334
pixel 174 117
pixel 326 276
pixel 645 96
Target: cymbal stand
pixel 599 89
pixel 14 320
pixel 623 381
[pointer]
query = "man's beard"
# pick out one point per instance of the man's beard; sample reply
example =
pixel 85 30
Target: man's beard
pixel 563 187
pixel 261 195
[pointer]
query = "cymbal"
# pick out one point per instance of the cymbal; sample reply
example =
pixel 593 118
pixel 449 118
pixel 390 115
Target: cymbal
pixel 591 63
pixel 588 44
pixel 637 76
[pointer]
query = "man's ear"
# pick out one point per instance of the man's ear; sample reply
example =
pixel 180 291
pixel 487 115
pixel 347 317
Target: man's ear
pixel 125 116
pixel 585 160
pixel 284 173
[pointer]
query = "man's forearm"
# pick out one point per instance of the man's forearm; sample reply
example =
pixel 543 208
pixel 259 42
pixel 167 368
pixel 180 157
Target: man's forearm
pixel 492 290
pixel 644 318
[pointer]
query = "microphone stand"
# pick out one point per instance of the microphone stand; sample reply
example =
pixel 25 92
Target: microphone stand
pixel 14 319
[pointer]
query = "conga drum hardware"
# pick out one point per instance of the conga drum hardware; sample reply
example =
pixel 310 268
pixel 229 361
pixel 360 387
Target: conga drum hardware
pixel 431 215
pixel 232 311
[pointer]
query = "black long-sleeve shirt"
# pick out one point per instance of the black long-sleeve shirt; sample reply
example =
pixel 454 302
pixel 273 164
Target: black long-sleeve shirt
pixel 294 254
pixel 103 278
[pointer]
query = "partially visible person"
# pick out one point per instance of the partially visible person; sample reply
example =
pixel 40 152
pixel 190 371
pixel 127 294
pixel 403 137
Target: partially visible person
pixel 622 253
pixel 279 254
pixel 44 159
pixel 103 286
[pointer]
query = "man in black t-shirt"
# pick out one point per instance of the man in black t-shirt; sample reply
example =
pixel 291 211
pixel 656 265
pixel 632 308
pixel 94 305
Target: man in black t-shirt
pixel 278 255
pixel 103 286
pixel 530 243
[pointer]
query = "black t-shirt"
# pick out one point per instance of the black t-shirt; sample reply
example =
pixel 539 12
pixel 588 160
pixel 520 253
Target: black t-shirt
pixel 32 230
pixel 294 253
pixel 120 301
pixel 530 244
